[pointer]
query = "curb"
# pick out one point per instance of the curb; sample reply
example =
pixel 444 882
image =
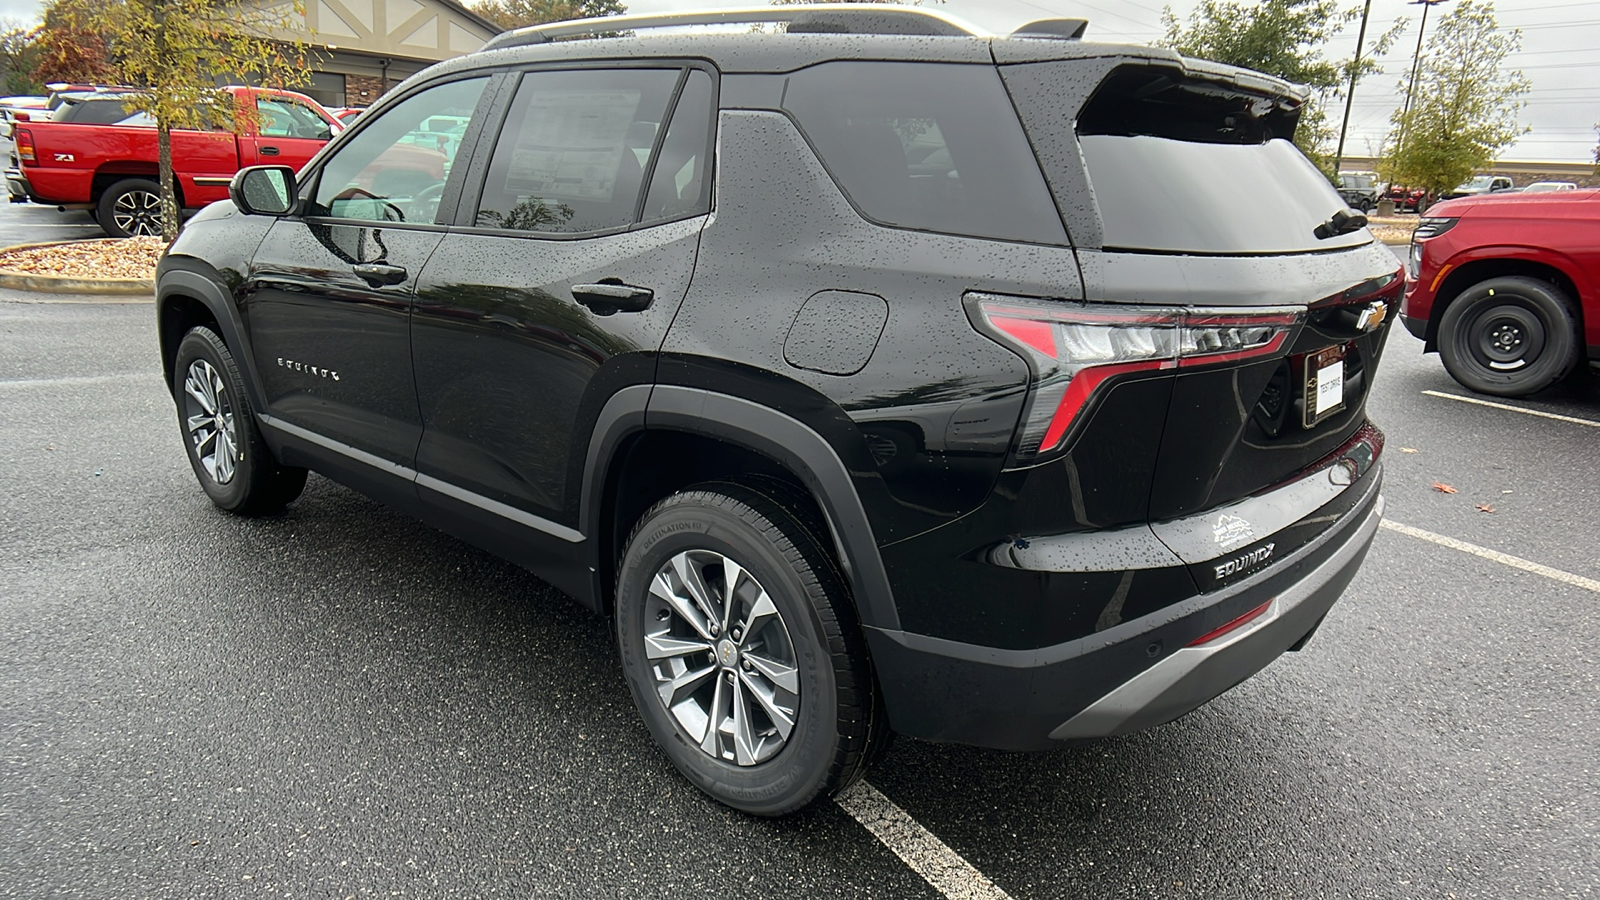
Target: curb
pixel 59 284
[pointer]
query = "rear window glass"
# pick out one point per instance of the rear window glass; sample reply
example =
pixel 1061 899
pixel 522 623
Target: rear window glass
pixel 925 146
pixel 1185 165
pixel 1186 197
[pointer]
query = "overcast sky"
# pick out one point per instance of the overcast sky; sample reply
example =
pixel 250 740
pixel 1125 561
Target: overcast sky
pixel 1559 55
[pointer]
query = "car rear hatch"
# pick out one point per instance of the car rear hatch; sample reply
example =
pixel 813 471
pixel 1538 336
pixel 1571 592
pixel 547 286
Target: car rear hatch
pixel 1234 318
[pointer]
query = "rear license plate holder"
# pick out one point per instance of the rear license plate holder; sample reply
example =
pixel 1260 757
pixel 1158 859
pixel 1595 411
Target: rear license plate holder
pixel 1322 387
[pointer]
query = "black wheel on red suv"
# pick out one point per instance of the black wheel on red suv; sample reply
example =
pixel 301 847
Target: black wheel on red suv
pixel 1509 336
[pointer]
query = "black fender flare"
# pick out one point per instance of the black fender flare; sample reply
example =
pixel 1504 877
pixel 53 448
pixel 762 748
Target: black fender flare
pixel 197 286
pixel 762 430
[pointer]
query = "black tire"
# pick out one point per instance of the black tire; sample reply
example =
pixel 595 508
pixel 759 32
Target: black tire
pixel 207 389
pixel 1509 336
pixel 836 712
pixel 130 207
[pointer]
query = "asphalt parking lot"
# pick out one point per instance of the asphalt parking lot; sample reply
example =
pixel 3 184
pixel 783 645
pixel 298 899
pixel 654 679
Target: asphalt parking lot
pixel 339 702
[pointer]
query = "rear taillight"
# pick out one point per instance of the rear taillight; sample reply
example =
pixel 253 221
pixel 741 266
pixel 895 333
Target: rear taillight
pixel 1073 348
pixel 24 140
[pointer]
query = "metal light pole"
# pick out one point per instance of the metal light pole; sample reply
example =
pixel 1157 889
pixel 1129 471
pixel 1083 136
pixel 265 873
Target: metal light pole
pixel 1350 98
pixel 1416 59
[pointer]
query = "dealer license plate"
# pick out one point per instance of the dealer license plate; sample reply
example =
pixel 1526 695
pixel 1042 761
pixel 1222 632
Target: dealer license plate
pixel 1324 384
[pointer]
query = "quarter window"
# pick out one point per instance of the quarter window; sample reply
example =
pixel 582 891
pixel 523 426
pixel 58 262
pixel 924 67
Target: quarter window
pixel 574 150
pixel 395 168
pixel 926 146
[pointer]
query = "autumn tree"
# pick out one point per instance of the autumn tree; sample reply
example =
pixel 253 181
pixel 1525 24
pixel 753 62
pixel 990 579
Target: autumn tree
pixel 19 55
pixel 68 48
pixel 176 52
pixel 1465 108
pixel 517 13
pixel 1284 38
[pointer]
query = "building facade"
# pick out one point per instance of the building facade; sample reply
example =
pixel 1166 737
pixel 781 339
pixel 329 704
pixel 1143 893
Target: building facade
pixel 362 48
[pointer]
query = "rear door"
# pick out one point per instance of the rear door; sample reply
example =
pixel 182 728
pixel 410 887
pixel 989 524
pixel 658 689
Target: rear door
pixel 570 255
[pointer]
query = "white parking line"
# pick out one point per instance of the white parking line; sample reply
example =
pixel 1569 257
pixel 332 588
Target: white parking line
pixel 928 856
pixel 1527 412
pixel 78 379
pixel 1515 562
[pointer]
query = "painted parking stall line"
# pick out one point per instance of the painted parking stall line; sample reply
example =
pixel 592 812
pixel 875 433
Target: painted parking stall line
pixel 1515 562
pixel 1516 409
pixel 940 866
pixel 77 379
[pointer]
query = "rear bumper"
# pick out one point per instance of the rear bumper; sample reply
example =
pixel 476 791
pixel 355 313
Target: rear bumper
pixel 17 186
pixel 1135 675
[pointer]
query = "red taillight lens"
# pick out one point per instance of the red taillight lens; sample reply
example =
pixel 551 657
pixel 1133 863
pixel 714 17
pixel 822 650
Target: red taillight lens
pixel 24 139
pixel 1074 347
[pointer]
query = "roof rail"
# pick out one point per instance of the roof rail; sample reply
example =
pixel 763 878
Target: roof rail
pixel 831 18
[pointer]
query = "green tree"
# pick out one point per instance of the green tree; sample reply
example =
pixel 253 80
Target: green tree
pixel 1284 38
pixel 175 52
pixel 1466 104
pixel 517 13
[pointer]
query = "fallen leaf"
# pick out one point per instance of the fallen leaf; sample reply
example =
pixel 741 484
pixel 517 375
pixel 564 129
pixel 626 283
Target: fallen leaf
pixel 1408 449
pixel 1484 507
pixel 1443 488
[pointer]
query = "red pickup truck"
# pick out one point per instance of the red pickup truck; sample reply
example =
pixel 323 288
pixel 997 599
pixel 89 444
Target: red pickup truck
pixel 111 169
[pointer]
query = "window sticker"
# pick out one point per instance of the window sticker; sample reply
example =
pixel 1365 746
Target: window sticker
pixel 571 144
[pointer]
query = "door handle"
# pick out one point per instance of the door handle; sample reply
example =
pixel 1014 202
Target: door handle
pixel 379 274
pixel 612 296
pixel 268 151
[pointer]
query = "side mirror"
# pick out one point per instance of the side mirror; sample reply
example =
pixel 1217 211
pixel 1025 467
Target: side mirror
pixel 263 190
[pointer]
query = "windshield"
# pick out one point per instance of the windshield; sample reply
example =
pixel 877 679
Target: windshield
pixel 1477 184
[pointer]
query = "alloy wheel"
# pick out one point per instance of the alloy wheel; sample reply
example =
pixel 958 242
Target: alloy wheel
pixel 722 658
pixel 208 420
pixel 138 213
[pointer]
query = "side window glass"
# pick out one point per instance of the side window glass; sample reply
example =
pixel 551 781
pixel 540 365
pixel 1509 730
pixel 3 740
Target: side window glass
pixel 926 146
pixel 574 150
pixel 394 169
pixel 285 118
pixel 679 186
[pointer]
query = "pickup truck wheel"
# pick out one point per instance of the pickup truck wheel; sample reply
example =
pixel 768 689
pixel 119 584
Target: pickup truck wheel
pixel 1509 336
pixel 235 467
pixel 742 650
pixel 130 207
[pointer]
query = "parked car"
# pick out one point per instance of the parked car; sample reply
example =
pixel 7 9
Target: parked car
pixel 1506 289
pixel 1359 190
pixel 1482 184
pixel 845 438
pixel 347 114
pixel 9 106
pixel 1548 187
pixel 1406 199
pixel 110 169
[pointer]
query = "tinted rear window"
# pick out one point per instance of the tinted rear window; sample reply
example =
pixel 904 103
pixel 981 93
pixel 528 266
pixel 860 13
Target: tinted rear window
pixel 926 146
pixel 1185 165
pixel 94 112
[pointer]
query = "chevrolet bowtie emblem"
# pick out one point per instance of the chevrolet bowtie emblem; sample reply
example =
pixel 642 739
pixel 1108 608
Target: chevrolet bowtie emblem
pixel 1372 316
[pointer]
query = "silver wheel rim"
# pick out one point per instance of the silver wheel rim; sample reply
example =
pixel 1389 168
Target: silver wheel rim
pixel 138 213
pixel 721 656
pixel 208 419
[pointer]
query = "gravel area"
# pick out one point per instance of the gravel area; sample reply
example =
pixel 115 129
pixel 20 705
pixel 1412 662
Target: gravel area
pixel 1392 228
pixel 127 258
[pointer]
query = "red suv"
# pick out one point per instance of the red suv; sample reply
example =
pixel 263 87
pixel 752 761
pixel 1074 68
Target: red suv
pixel 1507 288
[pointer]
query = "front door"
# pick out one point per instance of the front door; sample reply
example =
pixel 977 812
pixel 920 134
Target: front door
pixel 328 295
pixel 557 285
pixel 288 132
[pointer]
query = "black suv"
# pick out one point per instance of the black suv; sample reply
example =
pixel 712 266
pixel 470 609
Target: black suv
pixel 873 375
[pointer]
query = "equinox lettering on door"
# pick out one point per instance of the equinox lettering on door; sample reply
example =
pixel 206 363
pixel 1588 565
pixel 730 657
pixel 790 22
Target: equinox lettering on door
pixel 308 368
pixel 1244 561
